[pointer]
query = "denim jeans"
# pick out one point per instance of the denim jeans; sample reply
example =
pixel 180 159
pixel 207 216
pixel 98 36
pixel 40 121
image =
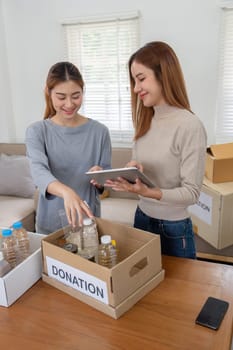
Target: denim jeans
pixel 177 237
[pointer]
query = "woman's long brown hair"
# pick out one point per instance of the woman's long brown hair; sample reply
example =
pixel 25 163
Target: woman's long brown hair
pixel 59 73
pixel 159 57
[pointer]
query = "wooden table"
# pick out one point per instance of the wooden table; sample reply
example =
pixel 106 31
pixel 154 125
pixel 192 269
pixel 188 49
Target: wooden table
pixel 46 318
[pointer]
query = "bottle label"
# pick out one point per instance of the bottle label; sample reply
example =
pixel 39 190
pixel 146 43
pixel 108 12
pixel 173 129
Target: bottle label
pixel 77 279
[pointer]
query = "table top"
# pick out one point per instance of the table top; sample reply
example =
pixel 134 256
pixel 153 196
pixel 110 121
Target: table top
pixel 46 318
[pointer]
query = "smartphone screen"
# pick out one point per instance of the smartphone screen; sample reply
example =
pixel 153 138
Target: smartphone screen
pixel 212 313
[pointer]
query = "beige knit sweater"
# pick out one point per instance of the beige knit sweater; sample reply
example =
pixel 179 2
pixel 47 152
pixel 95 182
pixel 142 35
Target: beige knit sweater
pixel 173 156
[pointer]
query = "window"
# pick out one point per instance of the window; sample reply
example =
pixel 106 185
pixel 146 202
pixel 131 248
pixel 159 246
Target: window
pixel 101 50
pixel 224 124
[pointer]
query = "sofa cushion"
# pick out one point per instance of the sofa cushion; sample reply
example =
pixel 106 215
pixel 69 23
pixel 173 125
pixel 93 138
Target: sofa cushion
pixel 15 178
pixel 16 209
pixel 120 210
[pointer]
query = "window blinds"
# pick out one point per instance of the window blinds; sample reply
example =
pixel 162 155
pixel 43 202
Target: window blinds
pixel 224 123
pixel 101 50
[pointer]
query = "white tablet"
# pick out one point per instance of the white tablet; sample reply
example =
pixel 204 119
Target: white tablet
pixel 130 174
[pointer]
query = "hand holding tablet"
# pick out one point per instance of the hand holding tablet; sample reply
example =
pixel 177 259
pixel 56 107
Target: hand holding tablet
pixel 129 174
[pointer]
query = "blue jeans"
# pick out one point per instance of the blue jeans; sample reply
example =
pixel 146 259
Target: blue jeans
pixel 177 237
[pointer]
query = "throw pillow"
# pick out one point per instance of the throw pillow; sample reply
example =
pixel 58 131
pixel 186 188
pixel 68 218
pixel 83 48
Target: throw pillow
pixel 105 194
pixel 15 176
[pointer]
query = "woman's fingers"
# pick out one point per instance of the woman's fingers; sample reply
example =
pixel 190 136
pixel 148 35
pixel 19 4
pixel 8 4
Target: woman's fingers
pixel 75 214
pixel 134 163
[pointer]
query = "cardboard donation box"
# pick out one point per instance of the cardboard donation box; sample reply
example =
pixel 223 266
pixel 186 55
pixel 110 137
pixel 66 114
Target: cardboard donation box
pixel 24 275
pixel 213 214
pixel 112 291
pixel 219 163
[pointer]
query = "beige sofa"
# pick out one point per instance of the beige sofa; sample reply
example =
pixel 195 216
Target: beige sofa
pixel 16 187
pixel 117 206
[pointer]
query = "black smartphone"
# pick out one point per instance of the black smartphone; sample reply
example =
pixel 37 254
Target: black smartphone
pixel 212 313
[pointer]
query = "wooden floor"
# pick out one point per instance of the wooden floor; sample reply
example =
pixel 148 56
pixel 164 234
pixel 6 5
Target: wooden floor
pixel 215 258
pixel 206 252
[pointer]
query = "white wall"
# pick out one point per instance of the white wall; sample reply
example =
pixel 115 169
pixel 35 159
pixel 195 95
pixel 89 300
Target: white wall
pixel 34 42
pixel 6 113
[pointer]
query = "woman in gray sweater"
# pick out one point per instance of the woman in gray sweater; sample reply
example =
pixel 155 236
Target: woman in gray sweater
pixel 61 148
pixel 170 147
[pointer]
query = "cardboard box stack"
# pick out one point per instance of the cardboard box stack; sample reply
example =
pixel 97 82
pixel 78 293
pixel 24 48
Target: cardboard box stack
pixel 212 216
pixel 112 291
pixel 219 163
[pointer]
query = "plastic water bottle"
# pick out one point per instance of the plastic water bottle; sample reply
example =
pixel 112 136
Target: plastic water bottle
pixel 107 253
pixel 9 247
pixel 4 265
pixel 75 236
pixel 22 240
pixel 90 240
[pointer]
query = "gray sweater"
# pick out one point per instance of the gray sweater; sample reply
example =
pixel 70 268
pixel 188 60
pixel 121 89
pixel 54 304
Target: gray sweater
pixel 172 153
pixel 65 153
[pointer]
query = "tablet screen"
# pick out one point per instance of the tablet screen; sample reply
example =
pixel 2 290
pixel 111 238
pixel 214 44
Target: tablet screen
pixel 130 174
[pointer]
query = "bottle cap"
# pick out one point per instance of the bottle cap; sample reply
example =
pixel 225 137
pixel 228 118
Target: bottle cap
pixel 6 232
pixel 87 221
pixel 106 239
pixel 71 247
pixel 114 242
pixel 17 224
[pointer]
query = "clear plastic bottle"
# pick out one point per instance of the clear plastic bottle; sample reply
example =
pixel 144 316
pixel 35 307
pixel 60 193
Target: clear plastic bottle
pixel 9 247
pixel 22 239
pixel 90 239
pixel 4 265
pixel 107 253
pixel 75 236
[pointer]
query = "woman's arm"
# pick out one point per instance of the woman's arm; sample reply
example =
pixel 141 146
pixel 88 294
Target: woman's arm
pixel 192 144
pixel 73 204
pixel 138 188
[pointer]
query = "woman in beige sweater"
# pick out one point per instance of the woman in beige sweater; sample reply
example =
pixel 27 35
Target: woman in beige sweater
pixel 169 147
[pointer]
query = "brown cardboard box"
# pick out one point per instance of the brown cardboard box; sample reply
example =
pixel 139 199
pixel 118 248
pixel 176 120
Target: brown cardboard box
pixel 219 163
pixel 212 216
pixel 112 291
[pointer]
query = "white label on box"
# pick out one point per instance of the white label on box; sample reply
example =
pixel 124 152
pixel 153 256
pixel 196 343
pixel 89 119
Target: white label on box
pixel 203 208
pixel 77 279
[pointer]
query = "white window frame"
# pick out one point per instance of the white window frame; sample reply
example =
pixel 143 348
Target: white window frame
pixel 224 118
pixel 114 96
